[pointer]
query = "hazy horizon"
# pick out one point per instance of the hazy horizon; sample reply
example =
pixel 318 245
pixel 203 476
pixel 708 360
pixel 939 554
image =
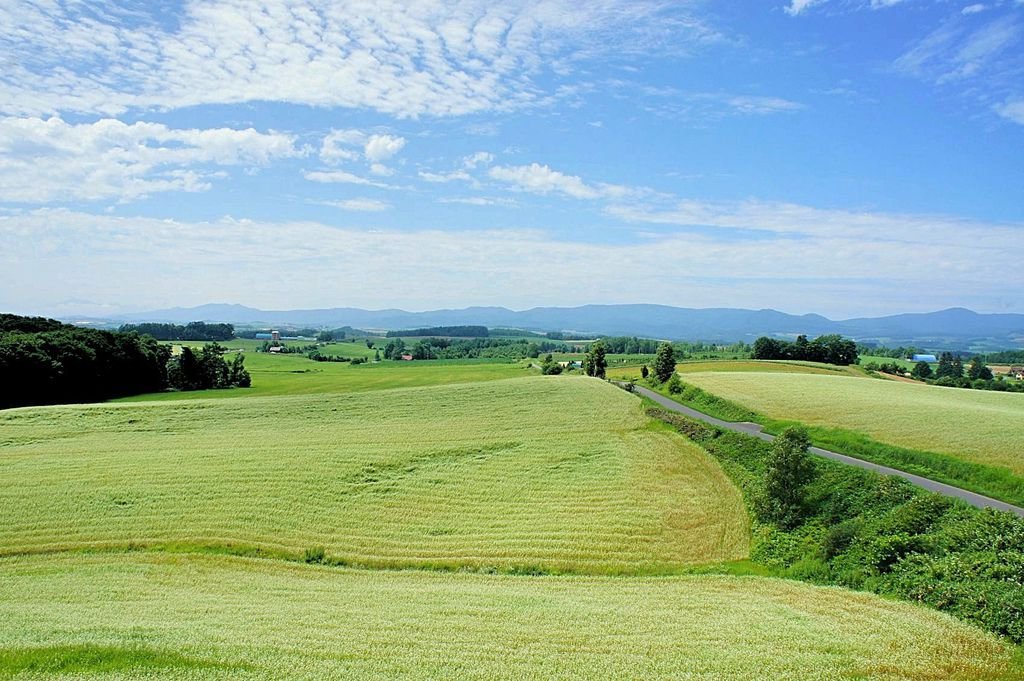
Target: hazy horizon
pixel 850 159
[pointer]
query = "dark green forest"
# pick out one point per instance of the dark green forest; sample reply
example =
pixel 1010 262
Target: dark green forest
pixel 43 361
pixel 454 331
pixel 193 331
pixel 830 349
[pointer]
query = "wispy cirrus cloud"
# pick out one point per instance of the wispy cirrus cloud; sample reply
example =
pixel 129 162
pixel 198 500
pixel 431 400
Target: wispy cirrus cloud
pixel 782 220
pixel 53 160
pixel 960 49
pixel 977 54
pixel 541 179
pixel 361 205
pixel 673 102
pixel 402 58
pixel 479 200
pixel 797 7
pixel 1012 110
pixel 342 177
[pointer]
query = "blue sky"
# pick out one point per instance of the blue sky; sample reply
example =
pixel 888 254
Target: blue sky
pixel 846 157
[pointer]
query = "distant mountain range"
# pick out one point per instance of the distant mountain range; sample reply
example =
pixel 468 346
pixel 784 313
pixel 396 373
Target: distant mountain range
pixel 952 328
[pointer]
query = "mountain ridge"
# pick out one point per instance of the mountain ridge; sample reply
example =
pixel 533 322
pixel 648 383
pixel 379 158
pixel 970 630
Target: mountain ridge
pixel 951 327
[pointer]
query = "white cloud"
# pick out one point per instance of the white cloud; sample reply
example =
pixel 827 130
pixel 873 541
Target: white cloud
pixel 382 147
pixel 541 179
pixel 798 6
pixel 944 262
pixel 675 103
pixel 52 160
pixel 973 9
pixel 340 146
pixel 477 159
pixel 761 105
pixel 361 205
pixel 401 58
pixel 1012 111
pixel 446 177
pixel 340 177
pixel 479 200
pixel 336 146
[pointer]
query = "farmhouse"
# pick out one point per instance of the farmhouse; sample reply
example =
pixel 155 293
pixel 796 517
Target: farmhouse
pixel 407 358
pixel 1017 372
pixel 924 358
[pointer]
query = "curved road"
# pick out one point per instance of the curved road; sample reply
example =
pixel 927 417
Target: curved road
pixel 755 430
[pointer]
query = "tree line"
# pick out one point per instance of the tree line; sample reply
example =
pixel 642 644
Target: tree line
pixel 512 349
pixel 453 331
pixel 193 331
pixel 43 361
pixel 830 349
pixel 206 369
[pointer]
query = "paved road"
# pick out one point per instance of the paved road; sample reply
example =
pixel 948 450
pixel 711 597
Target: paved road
pixel 755 430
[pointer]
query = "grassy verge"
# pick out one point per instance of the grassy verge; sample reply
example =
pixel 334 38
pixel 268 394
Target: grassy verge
pixel 991 481
pixel 881 534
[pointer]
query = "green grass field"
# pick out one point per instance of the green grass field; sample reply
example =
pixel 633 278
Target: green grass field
pixel 978 426
pixel 297 375
pixel 164 537
pixel 176 616
pixel 549 473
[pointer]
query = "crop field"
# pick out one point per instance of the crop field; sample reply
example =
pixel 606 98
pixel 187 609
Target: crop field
pixel 977 426
pixel 352 348
pixel 297 375
pixel 540 473
pixel 187 616
pixel 742 366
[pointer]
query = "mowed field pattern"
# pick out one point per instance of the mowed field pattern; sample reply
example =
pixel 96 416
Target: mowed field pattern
pixel 978 426
pixel 175 616
pixel 539 473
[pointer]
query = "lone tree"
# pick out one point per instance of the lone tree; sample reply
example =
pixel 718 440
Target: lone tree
pixel 549 367
pixel 788 471
pixel 644 371
pixel 921 371
pixel 664 362
pixel 949 367
pixel 595 364
pixel 977 369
